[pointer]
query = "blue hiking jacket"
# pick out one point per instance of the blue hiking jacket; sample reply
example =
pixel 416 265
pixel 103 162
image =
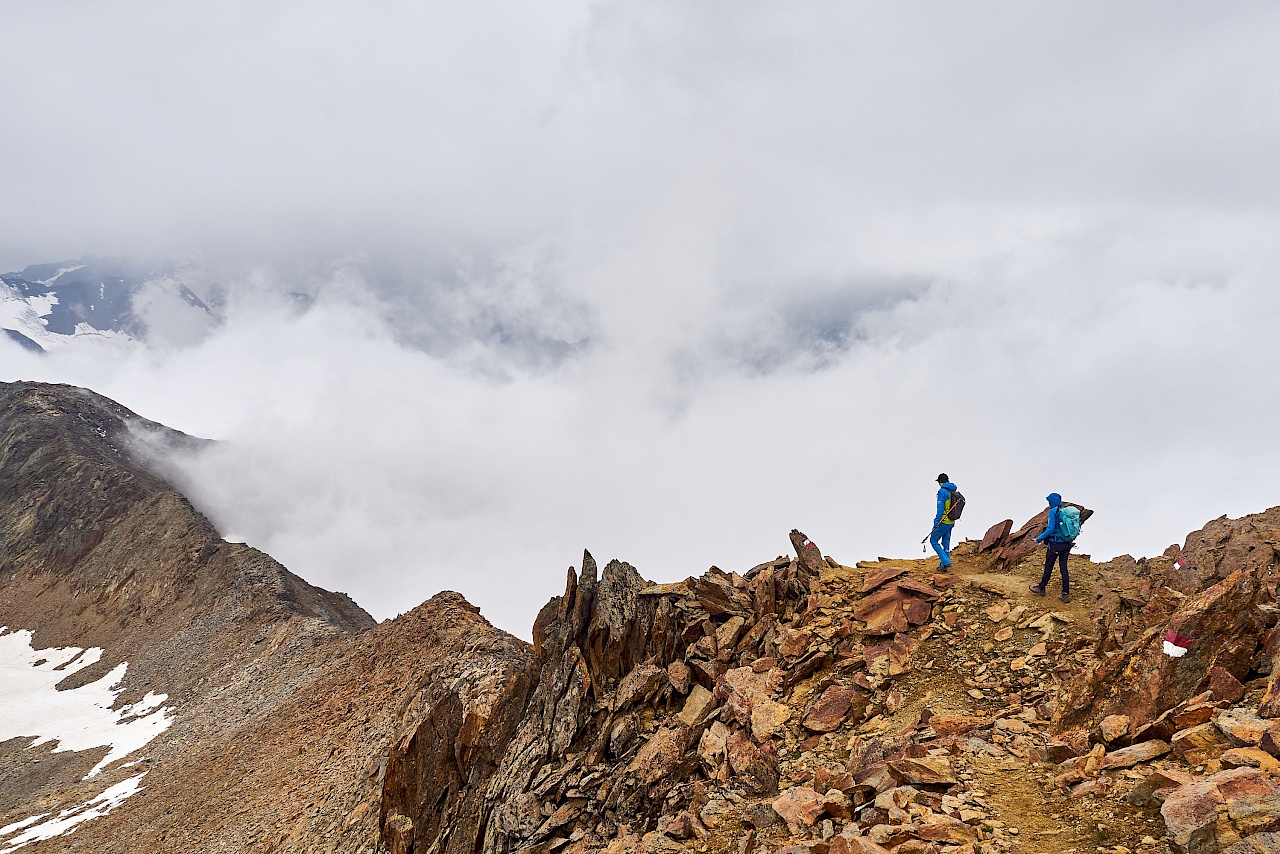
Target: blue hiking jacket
pixel 1051 524
pixel 944 504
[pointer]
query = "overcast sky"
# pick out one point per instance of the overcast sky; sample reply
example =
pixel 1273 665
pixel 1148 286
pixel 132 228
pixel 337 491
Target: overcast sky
pixel 665 280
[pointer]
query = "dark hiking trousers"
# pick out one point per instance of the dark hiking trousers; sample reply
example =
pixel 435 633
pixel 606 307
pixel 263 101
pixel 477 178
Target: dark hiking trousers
pixel 1057 550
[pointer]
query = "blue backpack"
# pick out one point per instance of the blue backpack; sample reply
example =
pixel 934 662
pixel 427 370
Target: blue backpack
pixel 1068 523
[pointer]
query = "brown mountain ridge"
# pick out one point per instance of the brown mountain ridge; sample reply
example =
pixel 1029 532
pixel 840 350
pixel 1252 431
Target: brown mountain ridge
pixel 797 706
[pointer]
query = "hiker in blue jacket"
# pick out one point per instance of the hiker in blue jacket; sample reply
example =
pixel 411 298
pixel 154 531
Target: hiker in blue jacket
pixel 1057 547
pixel 940 539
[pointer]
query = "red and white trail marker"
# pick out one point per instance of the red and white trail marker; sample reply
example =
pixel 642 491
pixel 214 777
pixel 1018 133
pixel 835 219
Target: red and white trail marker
pixel 1176 645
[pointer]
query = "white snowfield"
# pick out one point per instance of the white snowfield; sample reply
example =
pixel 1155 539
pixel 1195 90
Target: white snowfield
pixel 78 719
pixel 26 316
pixel 66 820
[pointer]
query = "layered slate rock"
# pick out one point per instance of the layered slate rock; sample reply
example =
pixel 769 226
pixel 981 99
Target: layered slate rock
pixel 1004 549
pixel 634 689
pixel 1224 622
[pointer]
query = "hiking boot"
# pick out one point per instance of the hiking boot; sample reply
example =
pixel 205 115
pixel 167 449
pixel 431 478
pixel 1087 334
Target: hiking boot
pixel 1064 596
pixel 1036 589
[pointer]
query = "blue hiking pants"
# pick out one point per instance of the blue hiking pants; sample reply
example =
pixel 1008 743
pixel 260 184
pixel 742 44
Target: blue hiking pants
pixel 940 539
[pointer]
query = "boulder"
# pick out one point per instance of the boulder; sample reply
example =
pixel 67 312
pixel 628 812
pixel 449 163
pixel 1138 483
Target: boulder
pixel 1259 843
pixel 1207 815
pixel 1223 685
pixel 756 770
pixel 887 660
pixel 696 706
pixel 1114 727
pixel 639 685
pixel 883 611
pixel 660 756
pixel 832 707
pixel 743 688
pixel 837 804
pixel 1242 726
pixel 1198 743
pixel 767 718
pixel 799 807
pixel 713 745
pixel 728 632
pixel 1190 816
pixel 1222 625
pixel 924 771
pixel 1163 780
pixel 680 675
pixel 1130 756
pixel 795 642
pixel 880 577
pixel 994 535
pixel 809 555
pixel 1250 757
pixel 946 830
pixel 1252 798
pixel 851 843
pixel 1222 547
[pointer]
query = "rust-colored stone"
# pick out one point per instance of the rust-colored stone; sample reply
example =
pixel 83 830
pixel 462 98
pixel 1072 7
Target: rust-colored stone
pixel 995 534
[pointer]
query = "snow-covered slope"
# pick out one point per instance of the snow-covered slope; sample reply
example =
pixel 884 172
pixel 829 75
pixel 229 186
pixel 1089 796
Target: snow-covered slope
pixel 97 302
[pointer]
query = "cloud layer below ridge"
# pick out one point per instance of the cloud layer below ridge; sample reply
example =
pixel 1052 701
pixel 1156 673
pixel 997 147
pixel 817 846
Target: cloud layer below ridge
pixel 665 280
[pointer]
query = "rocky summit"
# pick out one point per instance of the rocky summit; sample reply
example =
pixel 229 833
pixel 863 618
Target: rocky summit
pixel 800 706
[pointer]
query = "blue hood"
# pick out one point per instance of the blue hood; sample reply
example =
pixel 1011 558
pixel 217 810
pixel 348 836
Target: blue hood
pixel 949 486
pixel 1054 499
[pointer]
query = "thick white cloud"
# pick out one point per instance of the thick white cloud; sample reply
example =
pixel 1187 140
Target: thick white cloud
pixel 807 257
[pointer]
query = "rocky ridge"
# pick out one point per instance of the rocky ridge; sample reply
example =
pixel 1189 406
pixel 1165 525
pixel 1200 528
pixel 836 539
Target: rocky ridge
pixel 805 706
pixel 798 706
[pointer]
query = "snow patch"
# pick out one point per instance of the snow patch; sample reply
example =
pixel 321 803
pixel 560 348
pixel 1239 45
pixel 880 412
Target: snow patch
pixel 78 719
pixel 67 820
pixel 62 271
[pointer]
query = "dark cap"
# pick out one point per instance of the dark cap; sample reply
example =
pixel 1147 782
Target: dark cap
pixel 942 478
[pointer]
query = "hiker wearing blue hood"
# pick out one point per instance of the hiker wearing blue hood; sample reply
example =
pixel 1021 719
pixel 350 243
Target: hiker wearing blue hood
pixel 1057 547
pixel 940 539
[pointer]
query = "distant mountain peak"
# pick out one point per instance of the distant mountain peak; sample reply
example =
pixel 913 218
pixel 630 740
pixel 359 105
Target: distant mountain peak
pixel 53 305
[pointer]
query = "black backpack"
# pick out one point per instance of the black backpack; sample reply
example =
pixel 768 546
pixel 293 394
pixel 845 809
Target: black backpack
pixel 957 506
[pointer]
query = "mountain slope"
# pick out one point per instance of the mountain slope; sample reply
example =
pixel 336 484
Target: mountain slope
pixel 97 550
pixel 111 301
pixel 800 706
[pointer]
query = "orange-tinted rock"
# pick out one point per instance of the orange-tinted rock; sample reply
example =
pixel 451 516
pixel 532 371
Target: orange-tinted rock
pixel 924 771
pixel 660 755
pixel 1242 726
pixel 1013 547
pixel 882 611
pixel 880 577
pixel 810 555
pixel 1251 757
pixel 832 707
pixel 799 806
pixel 914 586
pixel 1198 743
pixel 752 766
pixel 1145 682
pixel 1160 780
pixel 1190 815
pixel 946 830
pixel 1259 843
pixel 957 724
pixel 1129 756
pixel 1224 686
pixel 1113 727
pixel 995 534
pixel 680 676
pixel 918 612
